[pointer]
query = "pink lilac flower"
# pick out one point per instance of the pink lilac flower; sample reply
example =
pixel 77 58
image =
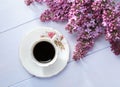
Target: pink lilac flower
pixel 82 48
pixel 87 22
pixel 28 2
pixel 58 11
pixel 40 1
pixel 89 19
pixel 111 17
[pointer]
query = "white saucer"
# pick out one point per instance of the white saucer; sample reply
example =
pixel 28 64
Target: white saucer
pixel 26 53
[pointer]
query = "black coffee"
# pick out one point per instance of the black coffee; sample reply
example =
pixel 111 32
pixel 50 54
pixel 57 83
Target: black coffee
pixel 44 52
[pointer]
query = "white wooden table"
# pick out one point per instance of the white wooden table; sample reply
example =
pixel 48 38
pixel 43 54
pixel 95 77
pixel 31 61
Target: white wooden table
pixel 100 68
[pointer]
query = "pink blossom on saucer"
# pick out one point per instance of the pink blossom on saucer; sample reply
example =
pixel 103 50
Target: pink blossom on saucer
pixel 51 34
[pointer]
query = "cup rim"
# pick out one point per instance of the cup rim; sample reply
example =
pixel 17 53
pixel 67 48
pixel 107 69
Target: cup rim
pixel 55 56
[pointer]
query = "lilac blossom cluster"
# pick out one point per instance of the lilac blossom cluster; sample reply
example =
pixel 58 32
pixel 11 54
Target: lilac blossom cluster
pixel 58 10
pixel 111 16
pixel 88 18
pixel 87 22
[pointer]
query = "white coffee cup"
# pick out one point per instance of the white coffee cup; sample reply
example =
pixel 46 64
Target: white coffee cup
pixel 45 63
